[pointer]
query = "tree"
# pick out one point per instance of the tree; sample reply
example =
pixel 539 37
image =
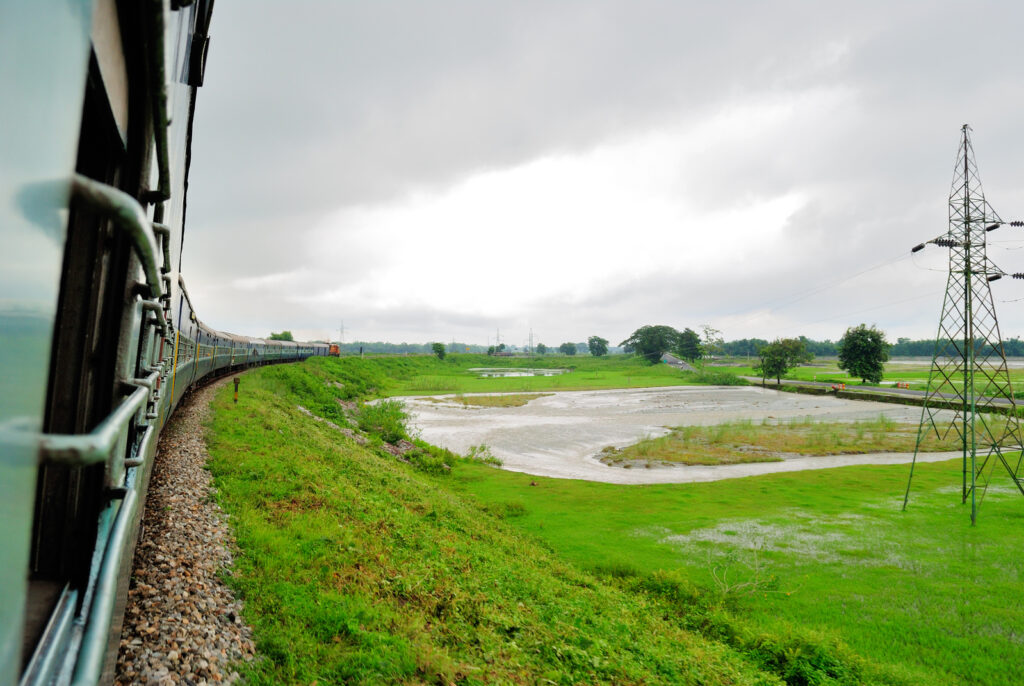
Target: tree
pixel 796 351
pixel 490 350
pixel 567 348
pixel 713 343
pixel 598 346
pixel 862 352
pixel 779 356
pixel 541 348
pixel 283 336
pixel 689 347
pixel 438 349
pixel 651 342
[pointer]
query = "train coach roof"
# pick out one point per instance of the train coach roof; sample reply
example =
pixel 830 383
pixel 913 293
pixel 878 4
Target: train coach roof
pixel 230 336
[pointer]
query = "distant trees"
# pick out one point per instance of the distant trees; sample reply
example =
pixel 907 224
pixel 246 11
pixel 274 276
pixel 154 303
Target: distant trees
pixel 541 348
pixel 779 356
pixel 651 342
pixel 567 348
pixel 862 352
pixel 744 346
pixel 283 336
pixel 598 346
pixel 689 347
pixel 438 349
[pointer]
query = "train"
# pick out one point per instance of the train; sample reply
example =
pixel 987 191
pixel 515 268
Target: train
pixel 99 338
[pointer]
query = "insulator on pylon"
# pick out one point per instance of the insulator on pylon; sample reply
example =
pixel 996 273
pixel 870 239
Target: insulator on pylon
pixel 995 277
pixel 917 248
pixel 1018 275
pixel 993 227
pixel 946 243
pixel 1017 223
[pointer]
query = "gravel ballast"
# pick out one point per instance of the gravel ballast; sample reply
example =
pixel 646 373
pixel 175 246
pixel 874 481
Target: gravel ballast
pixel 182 625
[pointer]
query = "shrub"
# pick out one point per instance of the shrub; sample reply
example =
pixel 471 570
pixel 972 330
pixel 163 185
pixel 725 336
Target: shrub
pixel 385 418
pixel 715 377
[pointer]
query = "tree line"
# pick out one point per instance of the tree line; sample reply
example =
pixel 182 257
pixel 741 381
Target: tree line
pixel 862 350
pixel 903 347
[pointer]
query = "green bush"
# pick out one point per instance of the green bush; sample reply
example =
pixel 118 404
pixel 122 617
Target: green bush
pixel 715 377
pixel 385 418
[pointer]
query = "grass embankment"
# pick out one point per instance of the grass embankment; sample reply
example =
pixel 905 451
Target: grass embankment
pixel 769 441
pixel 357 567
pixel 428 375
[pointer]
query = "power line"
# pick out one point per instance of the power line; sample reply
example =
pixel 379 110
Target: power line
pixel 797 297
pixel 877 307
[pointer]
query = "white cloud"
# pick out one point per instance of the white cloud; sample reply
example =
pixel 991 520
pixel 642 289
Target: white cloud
pixel 591 167
pixel 564 225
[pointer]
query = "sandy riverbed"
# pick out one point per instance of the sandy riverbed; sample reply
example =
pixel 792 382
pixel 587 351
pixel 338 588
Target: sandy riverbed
pixel 560 435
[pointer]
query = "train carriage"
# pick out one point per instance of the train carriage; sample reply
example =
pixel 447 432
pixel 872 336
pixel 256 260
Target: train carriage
pixel 100 340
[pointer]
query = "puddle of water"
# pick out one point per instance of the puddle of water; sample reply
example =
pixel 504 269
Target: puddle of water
pixel 560 435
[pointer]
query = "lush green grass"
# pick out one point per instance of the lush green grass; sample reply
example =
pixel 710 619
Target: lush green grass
pixel 827 551
pixel 767 441
pixel 356 567
pixel 426 375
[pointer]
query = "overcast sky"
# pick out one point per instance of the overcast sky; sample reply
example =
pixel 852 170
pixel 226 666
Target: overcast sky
pixel 432 171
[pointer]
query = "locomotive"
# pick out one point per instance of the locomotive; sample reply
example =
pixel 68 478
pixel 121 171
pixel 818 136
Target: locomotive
pixel 99 339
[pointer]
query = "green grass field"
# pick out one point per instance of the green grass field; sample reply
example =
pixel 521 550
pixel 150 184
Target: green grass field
pixel 423 375
pixel 356 567
pixel 914 373
pixel 829 551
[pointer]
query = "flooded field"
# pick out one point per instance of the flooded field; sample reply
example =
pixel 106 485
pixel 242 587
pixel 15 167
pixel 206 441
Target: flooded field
pixel 560 435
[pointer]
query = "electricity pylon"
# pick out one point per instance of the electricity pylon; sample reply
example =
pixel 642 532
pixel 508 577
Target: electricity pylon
pixel 968 373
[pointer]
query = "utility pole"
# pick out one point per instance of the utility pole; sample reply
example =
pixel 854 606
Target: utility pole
pixel 969 374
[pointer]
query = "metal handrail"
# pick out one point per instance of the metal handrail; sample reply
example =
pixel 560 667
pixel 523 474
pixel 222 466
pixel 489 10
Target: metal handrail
pixel 157 309
pixel 89 667
pixel 95 446
pixel 158 88
pixel 128 215
pixel 164 232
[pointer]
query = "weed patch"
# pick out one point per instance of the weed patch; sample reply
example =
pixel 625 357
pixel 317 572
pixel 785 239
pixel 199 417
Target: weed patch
pixel 745 441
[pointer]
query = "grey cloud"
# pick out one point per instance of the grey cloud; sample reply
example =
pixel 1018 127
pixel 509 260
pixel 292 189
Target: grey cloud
pixel 315 106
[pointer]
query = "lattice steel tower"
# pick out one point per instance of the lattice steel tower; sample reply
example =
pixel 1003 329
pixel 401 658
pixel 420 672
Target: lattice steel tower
pixel 968 373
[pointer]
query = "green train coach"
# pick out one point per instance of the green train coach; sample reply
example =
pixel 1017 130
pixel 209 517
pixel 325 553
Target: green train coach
pixel 99 339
